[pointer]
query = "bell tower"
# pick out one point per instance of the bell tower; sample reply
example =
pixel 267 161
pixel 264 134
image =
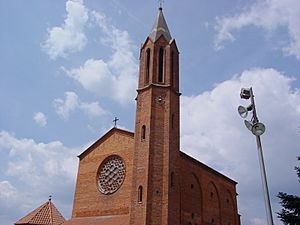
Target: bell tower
pixel 155 196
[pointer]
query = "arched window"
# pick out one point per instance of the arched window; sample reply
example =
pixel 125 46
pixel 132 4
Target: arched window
pixel 161 65
pixel 140 194
pixel 143 136
pixel 148 52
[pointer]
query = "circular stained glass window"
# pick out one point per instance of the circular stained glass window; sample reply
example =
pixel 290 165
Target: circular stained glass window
pixel 111 174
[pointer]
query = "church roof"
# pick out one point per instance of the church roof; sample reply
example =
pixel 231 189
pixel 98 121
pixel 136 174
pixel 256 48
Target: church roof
pixel 100 220
pixel 46 214
pixel 160 27
pixel 195 161
pixel 103 138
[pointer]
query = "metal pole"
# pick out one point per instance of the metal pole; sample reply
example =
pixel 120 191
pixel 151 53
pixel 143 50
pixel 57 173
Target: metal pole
pixel 262 166
pixel 264 181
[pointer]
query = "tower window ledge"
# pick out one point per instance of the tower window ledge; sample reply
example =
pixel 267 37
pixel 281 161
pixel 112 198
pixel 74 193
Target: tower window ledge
pixel 156 85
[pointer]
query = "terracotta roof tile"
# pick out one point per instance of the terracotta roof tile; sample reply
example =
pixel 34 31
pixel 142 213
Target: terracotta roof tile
pixel 100 220
pixel 46 214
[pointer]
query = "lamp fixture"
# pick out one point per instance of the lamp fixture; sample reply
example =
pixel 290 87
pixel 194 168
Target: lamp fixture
pixel 248 125
pixel 258 129
pixel 243 111
pixel 245 93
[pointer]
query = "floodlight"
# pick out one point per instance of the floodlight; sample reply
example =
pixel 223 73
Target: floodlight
pixel 248 125
pixel 245 93
pixel 258 129
pixel 243 111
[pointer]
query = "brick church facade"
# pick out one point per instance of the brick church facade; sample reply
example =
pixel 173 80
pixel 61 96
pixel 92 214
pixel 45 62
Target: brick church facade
pixel 143 178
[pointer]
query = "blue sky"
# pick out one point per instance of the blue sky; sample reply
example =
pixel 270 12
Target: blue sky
pixel 69 67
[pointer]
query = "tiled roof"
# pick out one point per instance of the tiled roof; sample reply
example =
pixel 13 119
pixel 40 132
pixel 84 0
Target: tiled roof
pixel 160 27
pixel 100 220
pixel 46 214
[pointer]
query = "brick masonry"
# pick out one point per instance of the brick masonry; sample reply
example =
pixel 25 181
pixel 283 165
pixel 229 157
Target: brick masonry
pixel 88 200
pixel 162 185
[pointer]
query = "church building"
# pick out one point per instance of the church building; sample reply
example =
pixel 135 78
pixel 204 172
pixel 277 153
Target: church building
pixel 142 177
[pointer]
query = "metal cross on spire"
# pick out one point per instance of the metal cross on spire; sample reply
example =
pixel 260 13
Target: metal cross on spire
pixel 115 121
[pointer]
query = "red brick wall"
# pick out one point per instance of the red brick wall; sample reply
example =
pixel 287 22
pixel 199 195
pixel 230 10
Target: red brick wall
pixel 207 197
pixel 88 200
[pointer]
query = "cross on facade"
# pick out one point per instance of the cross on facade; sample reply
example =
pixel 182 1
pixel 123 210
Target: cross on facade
pixel 115 121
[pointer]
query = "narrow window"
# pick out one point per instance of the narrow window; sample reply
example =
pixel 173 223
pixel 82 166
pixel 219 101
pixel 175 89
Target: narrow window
pixel 147 66
pixel 140 194
pixel 143 132
pixel 172 120
pixel 172 179
pixel 172 69
pixel 161 65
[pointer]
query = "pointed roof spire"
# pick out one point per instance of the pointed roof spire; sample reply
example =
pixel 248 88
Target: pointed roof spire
pixel 46 214
pixel 160 27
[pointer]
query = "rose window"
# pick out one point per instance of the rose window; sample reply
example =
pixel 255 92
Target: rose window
pixel 111 174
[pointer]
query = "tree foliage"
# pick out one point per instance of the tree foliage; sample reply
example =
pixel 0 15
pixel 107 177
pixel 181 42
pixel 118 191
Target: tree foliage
pixel 290 214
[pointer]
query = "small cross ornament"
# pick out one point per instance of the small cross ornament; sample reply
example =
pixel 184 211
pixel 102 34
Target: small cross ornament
pixel 115 121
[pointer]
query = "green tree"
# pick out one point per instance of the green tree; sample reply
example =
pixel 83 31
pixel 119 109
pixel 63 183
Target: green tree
pixel 290 214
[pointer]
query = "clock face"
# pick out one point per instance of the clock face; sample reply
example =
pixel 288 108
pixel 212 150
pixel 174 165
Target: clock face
pixel 111 174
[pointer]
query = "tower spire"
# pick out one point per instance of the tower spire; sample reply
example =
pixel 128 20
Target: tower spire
pixel 160 26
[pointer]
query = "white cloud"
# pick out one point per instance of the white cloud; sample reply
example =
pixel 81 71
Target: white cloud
pixel 115 78
pixel 94 76
pixel 267 14
pixel 214 133
pixel 46 168
pixel 69 37
pixel 92 109
pixel 40 119
pixel 258 221
pixel 10 200
pixel 64 107
pixel 7 191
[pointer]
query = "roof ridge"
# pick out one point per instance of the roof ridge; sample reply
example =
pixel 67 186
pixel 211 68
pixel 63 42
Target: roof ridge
pixel 50 211
pixel 103 137
pixel 56 212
